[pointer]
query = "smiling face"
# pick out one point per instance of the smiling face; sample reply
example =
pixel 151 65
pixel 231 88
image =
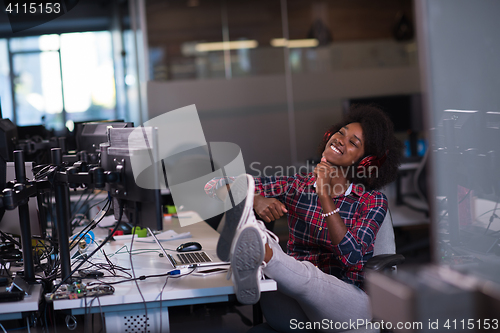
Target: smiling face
pixel 346 146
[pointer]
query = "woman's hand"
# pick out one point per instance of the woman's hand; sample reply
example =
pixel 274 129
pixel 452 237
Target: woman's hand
pixel 330 179
pixel 269 209
pixel 325 172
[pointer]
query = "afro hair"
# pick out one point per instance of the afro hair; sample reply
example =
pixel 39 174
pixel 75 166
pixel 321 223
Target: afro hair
pixel 379 141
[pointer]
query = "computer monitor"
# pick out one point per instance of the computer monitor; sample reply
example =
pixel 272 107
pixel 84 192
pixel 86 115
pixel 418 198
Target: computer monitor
pixel 73 134
pixel 33 132
pixel 10 221
pixel 95 133
pixel 8 139
pixel 138 190
pixel 405 111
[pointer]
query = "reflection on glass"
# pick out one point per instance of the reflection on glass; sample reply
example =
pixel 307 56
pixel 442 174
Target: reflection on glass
pixel 37 89
pixel 88 75
pixel 466 158
pixel 24 44
pixel 49 42
pixel 87 78
pixel 294 43
pixel 5 87
pixel 131 79
pixel 323 36
pixel 51 82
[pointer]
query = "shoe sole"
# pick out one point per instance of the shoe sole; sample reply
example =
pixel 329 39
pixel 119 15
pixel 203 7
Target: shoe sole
pixel 237 213
pixel 248 255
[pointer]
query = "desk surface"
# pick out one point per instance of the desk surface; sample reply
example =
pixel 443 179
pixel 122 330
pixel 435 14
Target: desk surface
pixel 178 291
pixel 14 310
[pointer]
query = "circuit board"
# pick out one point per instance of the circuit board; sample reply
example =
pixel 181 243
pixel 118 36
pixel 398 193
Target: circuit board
pixel 79 290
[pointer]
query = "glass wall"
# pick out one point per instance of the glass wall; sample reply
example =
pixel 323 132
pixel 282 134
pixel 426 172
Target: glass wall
pixel 291 62
pixel 5 86
pixel 58 79
pixel 215 39
pixel 463 73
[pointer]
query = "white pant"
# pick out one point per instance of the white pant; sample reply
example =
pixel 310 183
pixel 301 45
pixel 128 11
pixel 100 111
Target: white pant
pixel 307 295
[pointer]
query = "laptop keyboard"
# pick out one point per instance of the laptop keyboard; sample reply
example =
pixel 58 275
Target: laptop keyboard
pixel 193 257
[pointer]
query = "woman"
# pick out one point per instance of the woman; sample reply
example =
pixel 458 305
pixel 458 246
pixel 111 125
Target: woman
pixel 334 214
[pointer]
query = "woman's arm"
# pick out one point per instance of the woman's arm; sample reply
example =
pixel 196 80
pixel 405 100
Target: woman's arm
pixel 336 226
pixel 269 209
pixel 361 235
pixel 267 190
pixel 327 179
pixel 349 244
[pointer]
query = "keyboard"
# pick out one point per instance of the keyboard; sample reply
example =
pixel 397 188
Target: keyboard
pixel 189 258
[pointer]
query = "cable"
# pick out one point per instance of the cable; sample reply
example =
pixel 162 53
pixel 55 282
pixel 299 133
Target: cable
pixel 97 249
pixel 90 226
pixel 3 328
pixel 143 277
pixel 461 200
pixel 143 250
pixel 95 205
pixel 73 325
pixel 87 200
pixel 136 222
pixel 492 217
pixel 10 238
pixel 161 306
pixel 101 314
pixel 161 293
pixel 76 204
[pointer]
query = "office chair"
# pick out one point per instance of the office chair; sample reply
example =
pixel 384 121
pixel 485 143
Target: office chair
pixel 384 250
pixel 420 201
pixel 384 259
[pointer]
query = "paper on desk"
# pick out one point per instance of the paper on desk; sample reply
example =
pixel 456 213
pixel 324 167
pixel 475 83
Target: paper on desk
pixel 188 218
pixel 107 221
pixel 165 236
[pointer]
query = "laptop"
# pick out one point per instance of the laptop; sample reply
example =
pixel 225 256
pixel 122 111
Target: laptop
pixel 235 203
pixel 190 259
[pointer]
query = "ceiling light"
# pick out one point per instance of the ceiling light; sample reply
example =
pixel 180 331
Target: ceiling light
pixel 221 46
pixel 463 111
pixel 294 43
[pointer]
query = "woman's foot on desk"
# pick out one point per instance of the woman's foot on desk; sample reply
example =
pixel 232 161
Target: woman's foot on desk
pixel 247 259
pixel 240 204
pixel 243 240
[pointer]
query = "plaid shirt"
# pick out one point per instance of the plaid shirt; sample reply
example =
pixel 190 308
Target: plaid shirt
pixel 362 213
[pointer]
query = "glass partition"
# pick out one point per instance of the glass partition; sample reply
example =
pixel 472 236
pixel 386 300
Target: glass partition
pixel 60 79
pixel 230 39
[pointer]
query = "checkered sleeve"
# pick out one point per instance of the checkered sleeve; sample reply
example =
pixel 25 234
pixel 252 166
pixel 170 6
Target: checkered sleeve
pixel 272 187
pixel 360 236
pixel 216 183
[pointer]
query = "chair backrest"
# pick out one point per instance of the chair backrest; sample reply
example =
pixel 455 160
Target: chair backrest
pixel 385 242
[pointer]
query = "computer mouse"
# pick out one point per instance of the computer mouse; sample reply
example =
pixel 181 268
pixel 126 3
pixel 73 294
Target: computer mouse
pixel 189 246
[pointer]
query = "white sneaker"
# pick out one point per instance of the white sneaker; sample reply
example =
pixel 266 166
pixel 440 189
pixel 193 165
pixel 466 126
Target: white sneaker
pixel 240 204
pixel 247 259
